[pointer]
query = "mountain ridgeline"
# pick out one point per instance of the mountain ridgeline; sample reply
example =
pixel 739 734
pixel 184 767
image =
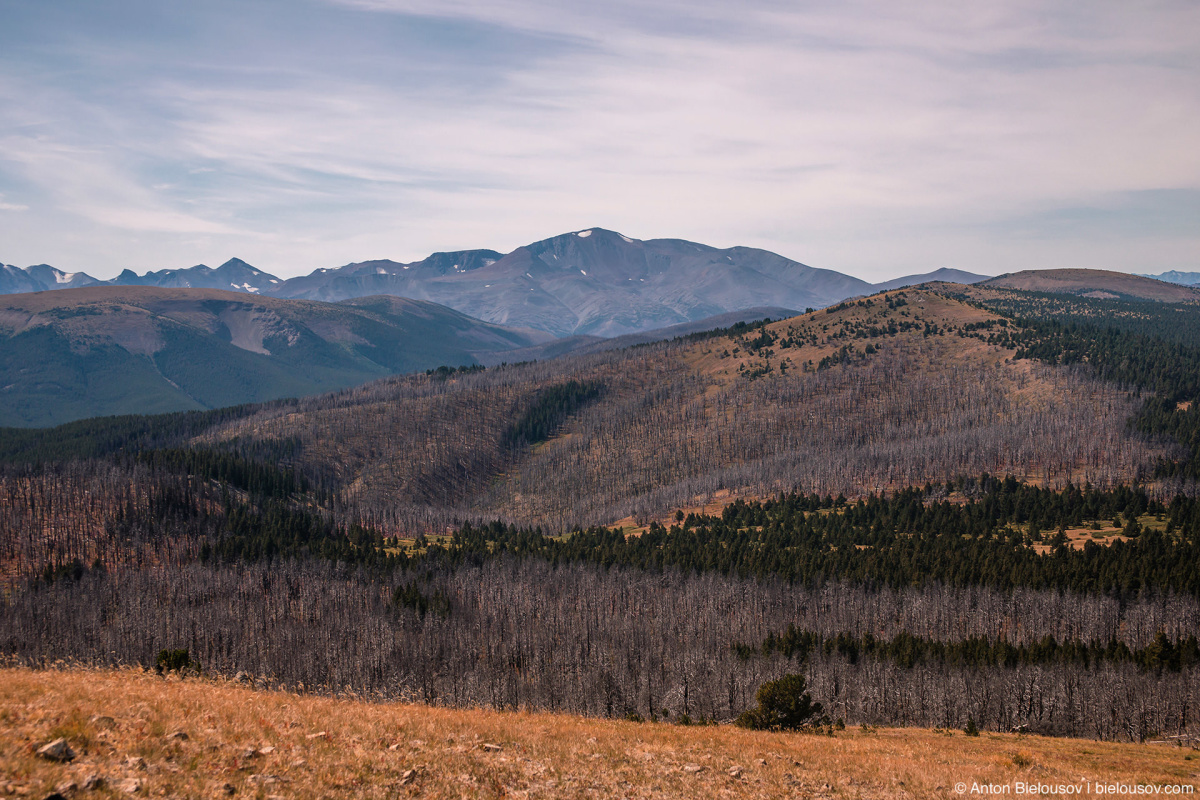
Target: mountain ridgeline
pixel 119 350
pixel 592 282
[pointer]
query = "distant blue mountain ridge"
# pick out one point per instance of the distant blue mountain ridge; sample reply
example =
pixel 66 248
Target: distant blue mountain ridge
pixel 592 282
pixel 1175 276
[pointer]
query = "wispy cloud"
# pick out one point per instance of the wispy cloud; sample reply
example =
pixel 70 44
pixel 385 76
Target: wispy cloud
pixel 869 137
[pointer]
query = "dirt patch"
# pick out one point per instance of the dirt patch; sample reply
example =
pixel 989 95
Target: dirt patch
pixel 248 327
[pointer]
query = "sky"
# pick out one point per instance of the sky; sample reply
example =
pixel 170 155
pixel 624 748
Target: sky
pixel 870 137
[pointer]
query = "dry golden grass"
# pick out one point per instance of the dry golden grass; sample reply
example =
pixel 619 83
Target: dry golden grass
pixel 922 305
pixel 273 744
pixel 1106 534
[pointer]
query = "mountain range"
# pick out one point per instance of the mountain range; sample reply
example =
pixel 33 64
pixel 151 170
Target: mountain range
pixel 1175 276
pixel 591 282
pixel 201 338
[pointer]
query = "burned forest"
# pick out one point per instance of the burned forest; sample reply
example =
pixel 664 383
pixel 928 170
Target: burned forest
pixel 936 505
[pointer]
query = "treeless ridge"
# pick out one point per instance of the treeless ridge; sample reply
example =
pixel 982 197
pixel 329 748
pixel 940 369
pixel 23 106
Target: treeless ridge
pixel 203 738
pixel 1079 281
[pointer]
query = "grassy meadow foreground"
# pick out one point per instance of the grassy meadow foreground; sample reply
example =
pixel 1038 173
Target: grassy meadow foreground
pixel 150 736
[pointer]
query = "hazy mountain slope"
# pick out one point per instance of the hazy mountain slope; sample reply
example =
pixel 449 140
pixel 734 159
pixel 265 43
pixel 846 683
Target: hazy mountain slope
pixel 594 282
pixel 40 277
pixel 48 379
pixel 945 275
pixel 1175 276
pixel 50 278
pixel 1094 283
pixel 14 280
pixel 234 275
pixel 113 350
pixel 382 277
pixel 584 344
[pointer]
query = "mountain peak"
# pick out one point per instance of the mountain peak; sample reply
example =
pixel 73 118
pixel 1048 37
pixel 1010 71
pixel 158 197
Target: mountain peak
pixel 598 233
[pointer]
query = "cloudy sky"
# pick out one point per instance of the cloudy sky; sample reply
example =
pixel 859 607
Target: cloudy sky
pixel 872 137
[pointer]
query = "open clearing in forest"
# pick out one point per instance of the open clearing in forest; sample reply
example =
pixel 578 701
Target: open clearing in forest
pixel 198 737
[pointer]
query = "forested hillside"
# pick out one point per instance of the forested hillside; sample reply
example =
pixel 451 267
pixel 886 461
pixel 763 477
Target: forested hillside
pixel 1153 347
pixel 934 510
pixel 878 394
pixel 894 615
pixel 80 353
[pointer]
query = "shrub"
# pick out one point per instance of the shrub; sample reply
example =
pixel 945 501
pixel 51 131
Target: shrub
pixel 784 705
pixel 971 730
pixel 175 661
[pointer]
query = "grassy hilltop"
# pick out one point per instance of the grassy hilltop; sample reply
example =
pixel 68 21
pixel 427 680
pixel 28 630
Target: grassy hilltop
pixel 125 727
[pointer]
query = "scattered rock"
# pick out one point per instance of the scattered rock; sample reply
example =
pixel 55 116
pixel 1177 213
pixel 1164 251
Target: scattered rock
pixel 762 762
pixel 249 754
pixel 93 782
pixel 266 750
pixel 299 762
pixel 67 787
pixel 103 722
pixel 58 750
pixel 135 762
pixel 693 768
pixel 265 779
pixel 492 748
pixel 395 746
pixel 177 736
pixel 131 786
pixel 408 777
pixel 735 772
